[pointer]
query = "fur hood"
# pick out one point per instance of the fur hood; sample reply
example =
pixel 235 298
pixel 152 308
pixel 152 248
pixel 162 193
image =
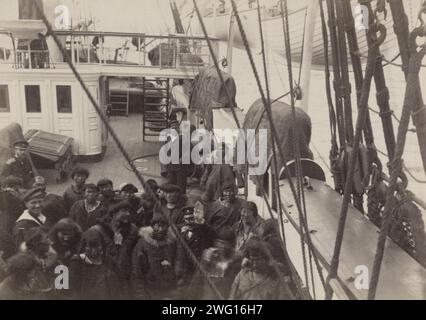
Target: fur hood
pixel 145 233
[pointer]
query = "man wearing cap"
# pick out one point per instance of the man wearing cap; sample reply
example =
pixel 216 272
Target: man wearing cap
pixel 226 211
pixel 53 205
pixel 75 191
pixel 198 236
pixel 19 166
pixel 127 193
pixel 31 217
pixel 177 173
pixel 172 201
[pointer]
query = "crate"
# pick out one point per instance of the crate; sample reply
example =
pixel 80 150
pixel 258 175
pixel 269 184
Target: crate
pixel 51 151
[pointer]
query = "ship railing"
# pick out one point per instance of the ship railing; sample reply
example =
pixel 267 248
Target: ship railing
pixel 32 59
pixel 136 49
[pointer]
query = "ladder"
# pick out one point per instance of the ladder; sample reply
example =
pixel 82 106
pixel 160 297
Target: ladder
pixel 156 106
pixel 119 102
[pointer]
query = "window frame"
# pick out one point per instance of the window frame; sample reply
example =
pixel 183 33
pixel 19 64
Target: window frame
pixel 26 98
pixel 60 110
pixel 7 95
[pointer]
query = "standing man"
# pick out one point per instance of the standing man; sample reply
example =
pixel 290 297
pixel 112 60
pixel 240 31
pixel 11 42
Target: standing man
pixel 31 217
pixel 177 173
pixel 11 207
pixel 53 205
pixel 88 212
pixel 107 194
pixel 226 211
pixel 75 191
pixel 19 166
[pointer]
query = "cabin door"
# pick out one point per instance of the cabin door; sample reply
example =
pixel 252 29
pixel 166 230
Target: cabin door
pixel 35 106
pixel 64 102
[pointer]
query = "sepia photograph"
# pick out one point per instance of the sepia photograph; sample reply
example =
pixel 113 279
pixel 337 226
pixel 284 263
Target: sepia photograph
pixel 239 152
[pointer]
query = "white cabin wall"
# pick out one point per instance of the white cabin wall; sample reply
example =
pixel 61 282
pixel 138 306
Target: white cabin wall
pixel 92 121
pixel 83 124
pixel 64 123
pixel 14 114
pixel 35 120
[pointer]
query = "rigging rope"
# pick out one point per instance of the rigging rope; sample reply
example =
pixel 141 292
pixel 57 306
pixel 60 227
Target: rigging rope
pixel 331 112
pixel 223 85
pixel 406 169
pixel 413 130
pixel 363 108
pixel 388 61
pixel 396 164
pixel 103 118
pixel 295 140
pixel 273 129
pixel 336 74
pixel 265 69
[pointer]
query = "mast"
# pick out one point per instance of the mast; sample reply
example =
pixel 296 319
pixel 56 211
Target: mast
pixel 230 42
pixel 418 110
pixel 305 78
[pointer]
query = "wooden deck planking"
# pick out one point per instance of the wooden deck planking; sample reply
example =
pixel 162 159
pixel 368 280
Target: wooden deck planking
pixel 401 276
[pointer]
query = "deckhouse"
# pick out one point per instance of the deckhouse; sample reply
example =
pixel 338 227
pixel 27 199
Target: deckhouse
pixel 39 91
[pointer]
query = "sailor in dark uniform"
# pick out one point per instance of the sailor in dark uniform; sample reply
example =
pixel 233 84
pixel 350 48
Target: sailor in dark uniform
pixel 19 166
pixel 31 217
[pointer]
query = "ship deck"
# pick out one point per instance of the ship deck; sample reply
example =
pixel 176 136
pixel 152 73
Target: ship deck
pixel 114 165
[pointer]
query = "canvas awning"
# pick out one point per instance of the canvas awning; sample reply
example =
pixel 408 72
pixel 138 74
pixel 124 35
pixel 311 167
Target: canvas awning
pixel 257 118
pixel 209 93
pixel 23 29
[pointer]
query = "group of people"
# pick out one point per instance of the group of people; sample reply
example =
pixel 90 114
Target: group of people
pixel 123 244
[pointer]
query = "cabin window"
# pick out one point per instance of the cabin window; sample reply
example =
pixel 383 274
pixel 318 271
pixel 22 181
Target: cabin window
pixel 63 99
pixel 4 98
pixel 32 98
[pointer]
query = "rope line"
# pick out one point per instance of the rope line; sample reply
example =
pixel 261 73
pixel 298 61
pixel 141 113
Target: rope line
pixel 124 152
pixel 226 92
